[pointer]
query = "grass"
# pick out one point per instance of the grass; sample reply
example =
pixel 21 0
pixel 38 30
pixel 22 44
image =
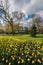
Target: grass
pixel 39 37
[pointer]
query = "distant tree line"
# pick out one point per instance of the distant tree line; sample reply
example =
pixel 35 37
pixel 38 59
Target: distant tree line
pixel 36 27
pixel 9 20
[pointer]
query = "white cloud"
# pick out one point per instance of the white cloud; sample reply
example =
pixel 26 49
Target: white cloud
pixel 33 6
pixel 40 13
pixel 27 6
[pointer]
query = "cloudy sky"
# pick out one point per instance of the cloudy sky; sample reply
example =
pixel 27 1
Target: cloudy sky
pixel 27 6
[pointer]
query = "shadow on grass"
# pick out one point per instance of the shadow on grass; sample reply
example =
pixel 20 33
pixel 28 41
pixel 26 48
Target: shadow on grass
pixel 40 36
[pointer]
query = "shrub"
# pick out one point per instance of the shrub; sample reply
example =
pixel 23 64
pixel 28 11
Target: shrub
pixel 33 31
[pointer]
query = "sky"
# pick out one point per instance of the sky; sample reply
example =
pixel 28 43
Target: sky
pixel 27 6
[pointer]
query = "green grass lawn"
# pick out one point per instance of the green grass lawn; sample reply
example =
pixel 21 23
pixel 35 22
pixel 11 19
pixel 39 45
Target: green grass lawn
pixel 39 37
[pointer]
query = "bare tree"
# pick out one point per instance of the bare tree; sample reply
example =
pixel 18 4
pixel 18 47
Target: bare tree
pixel 19 16
pixel 9 18
pixel 37 20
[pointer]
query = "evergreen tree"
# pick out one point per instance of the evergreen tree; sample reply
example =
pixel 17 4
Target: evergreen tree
pixel 33 30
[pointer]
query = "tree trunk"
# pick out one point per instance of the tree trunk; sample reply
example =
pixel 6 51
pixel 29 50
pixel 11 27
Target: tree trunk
pixel 12 29
pixel 18 26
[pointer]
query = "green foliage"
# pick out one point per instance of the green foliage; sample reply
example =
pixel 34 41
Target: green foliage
pixel 1 31
pixel 33 31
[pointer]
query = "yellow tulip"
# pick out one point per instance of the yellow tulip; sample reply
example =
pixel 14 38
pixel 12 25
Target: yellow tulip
pixel 22 60
pixel 6 61
pixel 3 59
pixel 9 63
pixel 33 61
pixel 18 62
pixel 39 60
pixel 28 59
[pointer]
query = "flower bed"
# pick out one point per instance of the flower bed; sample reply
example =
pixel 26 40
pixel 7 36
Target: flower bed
pixel 20 53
